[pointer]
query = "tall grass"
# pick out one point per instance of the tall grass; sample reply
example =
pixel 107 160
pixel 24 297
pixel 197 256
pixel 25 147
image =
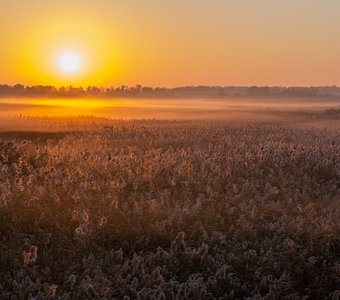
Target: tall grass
pixel 171 210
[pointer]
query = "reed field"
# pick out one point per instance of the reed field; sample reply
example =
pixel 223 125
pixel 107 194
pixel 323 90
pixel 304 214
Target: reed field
pixel 96 208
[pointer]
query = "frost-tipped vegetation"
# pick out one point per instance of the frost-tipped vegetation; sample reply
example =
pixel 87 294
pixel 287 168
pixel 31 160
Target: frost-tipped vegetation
pixel 171 210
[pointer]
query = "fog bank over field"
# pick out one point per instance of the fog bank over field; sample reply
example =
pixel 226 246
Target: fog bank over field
pixel 167 108
pixel 184 198
pixel 21 114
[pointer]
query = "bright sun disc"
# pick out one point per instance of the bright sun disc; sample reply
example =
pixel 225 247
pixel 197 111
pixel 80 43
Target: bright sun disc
pixel 69 62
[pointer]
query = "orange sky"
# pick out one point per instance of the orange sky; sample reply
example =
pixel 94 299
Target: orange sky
pixel 171 43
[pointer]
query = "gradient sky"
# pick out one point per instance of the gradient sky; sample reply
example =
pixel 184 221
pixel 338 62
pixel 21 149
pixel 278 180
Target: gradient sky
pixel 171 43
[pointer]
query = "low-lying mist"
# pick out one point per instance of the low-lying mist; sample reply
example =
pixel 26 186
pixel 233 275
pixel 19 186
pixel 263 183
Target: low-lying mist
pixel 72 114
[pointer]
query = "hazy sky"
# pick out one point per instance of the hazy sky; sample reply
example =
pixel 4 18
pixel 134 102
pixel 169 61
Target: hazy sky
pixel 170 43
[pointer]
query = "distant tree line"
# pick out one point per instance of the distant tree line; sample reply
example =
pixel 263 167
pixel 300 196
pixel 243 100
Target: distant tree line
pixel 140 91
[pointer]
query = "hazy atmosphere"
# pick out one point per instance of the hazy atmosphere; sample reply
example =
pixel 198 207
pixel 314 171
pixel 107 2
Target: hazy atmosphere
pixel 169 150
pixel 171 43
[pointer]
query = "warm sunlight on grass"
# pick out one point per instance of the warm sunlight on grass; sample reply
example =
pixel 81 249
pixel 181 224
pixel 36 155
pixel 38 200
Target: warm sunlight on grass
pixel 135 108
pixel 58 107
pixel 73 103
pixel 169 150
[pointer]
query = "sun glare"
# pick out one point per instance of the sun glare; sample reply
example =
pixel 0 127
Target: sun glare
pixel 69 62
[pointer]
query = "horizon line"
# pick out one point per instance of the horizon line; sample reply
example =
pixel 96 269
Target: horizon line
pixel 170 87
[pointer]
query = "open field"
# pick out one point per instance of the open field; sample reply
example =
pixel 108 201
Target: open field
pixel 243 207
pixel 230 109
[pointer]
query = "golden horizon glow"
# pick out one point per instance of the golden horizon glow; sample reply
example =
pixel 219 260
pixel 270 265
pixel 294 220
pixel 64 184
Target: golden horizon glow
pixel 193 42
pixel 77 52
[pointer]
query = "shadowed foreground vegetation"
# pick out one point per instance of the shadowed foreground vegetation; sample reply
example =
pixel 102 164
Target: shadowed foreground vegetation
pixel 171 210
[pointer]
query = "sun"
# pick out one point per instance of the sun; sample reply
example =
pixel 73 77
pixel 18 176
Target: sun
pixel 69 62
